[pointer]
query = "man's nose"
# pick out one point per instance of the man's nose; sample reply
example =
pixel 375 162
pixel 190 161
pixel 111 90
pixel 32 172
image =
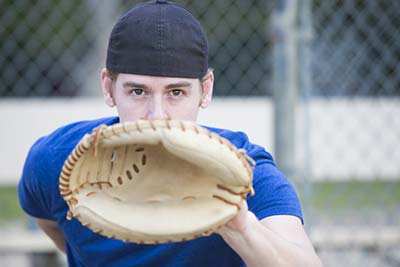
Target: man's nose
pixel 156 109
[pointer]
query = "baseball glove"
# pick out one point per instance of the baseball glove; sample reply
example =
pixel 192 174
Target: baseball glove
pixel 153 182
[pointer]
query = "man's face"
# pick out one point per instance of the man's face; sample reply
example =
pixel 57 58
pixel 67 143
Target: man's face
pixel 150 97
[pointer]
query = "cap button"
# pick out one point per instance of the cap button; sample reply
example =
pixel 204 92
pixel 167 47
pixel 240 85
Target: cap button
pixel 161 1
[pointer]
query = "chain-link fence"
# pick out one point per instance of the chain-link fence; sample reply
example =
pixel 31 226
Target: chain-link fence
pixel 52 48
pixel 356 48
pixel 354 109
pixel 348 107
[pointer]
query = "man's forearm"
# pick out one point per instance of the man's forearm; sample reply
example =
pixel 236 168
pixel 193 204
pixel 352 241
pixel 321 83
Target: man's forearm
pixel 258 246
pixel 52 230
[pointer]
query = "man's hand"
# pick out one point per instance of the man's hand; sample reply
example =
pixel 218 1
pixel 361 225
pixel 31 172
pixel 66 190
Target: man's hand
pixel 274 241
pixel 239 222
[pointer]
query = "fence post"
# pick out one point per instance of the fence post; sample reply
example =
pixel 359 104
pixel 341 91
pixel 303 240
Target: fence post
pixel 305 90
pixel 285 73
pixel 104 14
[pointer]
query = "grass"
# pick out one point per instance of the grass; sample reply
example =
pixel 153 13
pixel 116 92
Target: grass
pixel 355 195
pixel 10 209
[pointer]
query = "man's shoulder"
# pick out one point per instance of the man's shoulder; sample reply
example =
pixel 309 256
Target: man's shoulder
pixel 67 136
pixel 241 141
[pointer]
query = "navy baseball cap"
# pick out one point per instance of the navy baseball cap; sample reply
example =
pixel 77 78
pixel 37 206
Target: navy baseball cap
pixel 158 38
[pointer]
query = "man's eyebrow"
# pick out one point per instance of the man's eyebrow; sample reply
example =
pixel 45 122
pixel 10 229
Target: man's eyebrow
pixel 178 85
pixel 134 85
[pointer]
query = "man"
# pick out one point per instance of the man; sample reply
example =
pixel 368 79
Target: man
pixel 157 68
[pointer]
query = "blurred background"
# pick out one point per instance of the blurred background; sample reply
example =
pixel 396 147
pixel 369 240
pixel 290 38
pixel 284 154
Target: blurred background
pixel 315 82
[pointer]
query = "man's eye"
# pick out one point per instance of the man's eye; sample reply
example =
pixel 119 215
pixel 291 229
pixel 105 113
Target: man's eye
pixel 137 91
pixel 176 92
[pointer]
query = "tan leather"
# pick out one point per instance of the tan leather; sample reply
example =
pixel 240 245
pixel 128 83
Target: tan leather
pixel 155 181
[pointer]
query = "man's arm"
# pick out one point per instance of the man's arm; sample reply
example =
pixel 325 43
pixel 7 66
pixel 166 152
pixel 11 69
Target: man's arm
pixel 273 241
pixel 53 231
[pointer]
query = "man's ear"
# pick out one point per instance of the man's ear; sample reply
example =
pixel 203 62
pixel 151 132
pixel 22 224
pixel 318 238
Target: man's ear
pixel 208 86
pixel 107 86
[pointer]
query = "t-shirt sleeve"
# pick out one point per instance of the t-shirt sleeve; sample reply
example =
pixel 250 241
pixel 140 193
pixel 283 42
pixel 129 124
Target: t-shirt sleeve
pixel 34 187
pixel 274 194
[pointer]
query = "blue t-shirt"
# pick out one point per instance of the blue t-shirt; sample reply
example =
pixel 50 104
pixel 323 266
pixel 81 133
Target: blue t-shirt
pixel 39 196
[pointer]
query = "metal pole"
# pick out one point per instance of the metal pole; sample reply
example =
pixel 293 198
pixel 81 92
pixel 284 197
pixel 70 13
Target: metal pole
pixel 105 13
pixel 305 88
pixel 285 73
